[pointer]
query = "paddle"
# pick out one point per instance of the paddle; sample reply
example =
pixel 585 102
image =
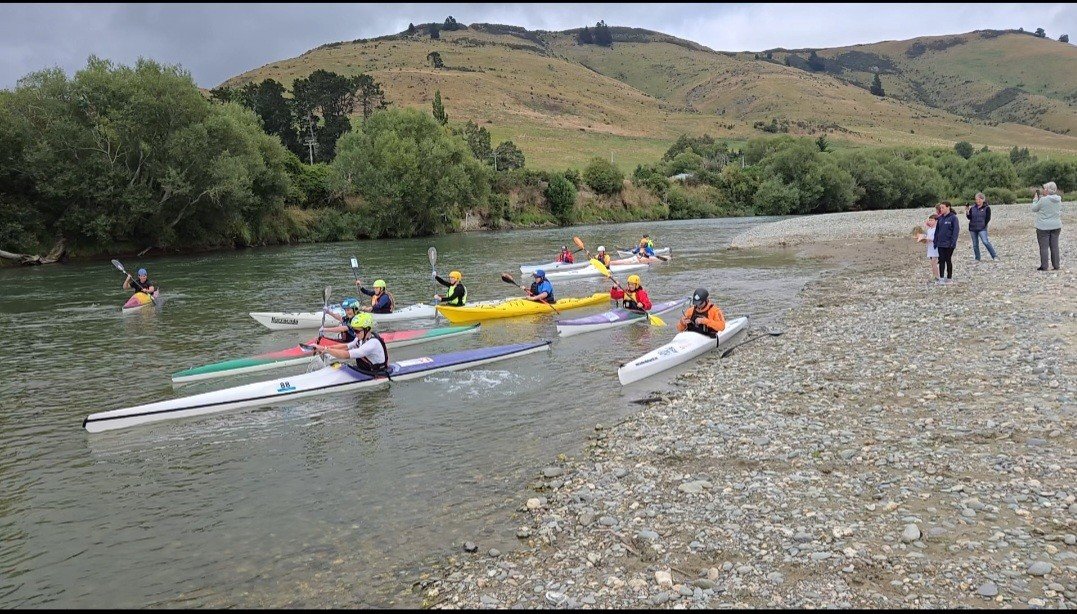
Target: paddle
pixel 355 268
pixel 505 277
pixel 134 280
pixel 653 319
pixel 768 334
pixel 662 258
pixel 325 306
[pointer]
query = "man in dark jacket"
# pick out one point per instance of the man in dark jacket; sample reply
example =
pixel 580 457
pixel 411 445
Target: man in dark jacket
pixel 979 216
pixel 946 240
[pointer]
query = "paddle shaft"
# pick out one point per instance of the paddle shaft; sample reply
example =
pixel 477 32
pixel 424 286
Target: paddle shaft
pixel 505 277
pixel 730 350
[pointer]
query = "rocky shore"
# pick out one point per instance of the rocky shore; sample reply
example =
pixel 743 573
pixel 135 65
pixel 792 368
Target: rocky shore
pixel 901 445
pixel 861 225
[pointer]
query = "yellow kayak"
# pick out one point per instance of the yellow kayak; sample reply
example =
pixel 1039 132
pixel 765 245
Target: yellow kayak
pixel 512 307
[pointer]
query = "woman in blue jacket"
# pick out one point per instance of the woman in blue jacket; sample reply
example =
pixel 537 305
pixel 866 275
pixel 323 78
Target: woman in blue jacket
pixel 946 240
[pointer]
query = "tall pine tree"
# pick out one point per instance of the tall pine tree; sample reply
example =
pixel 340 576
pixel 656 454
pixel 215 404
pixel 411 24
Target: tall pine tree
pixel 603 36
pixel 439 109
pixel 877 86
pixel 584 37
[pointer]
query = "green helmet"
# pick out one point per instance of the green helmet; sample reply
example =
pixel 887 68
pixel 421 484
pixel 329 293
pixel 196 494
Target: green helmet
pixel 379 283
pixel 363 320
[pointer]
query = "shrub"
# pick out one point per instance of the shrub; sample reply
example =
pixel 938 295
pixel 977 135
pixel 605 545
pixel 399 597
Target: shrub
pixel 964 149
pixel 1000 196
pixel 603 177
pixel 561 196
pixel 1062 173
pixel 573 175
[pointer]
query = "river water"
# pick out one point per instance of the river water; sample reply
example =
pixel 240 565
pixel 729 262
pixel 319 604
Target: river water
pixel 330 501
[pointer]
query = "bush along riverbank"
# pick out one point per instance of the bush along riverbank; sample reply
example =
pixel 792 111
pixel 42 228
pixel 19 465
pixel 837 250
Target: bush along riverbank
pixel 903 444
pixel 119 159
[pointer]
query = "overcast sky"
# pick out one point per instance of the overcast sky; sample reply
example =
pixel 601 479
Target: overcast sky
pixel 218 41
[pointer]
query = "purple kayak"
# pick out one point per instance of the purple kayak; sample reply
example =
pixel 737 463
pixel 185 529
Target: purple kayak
pixel 613 318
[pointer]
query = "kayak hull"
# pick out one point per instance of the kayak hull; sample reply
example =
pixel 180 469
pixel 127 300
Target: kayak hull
pixel 662 251
pixel 591 271
pixel 553 266
pixel 139 300
pixel 636 260
pixel 333 379
pixel 279 320
pixel 510 308
pixel 296 355
pixel 613 319
pixel 684 347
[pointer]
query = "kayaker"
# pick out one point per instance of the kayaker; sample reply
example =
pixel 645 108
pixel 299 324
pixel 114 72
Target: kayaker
pixel 351 309
pixel 380 299
pixel 541 289
pixel 368 349
pixel 457 295
pixel 142 284
pixel 702 316
pixel 602 256
pixel 633 297
pixel 645 247
pixel 566 256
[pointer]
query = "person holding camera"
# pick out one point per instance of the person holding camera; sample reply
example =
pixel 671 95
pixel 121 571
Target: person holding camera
pixel 945 240
pixel 979 216
pixel 1047 205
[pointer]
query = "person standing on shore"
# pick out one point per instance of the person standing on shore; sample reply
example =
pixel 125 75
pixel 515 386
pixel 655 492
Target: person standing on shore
pixel 928 237
pixel 1048 209
pixel 945 240
pixel 979 216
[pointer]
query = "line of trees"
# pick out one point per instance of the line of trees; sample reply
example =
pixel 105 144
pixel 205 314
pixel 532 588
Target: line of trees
pixel 601 35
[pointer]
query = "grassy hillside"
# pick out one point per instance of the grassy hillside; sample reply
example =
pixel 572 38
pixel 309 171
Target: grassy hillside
pixel 563 103
pixel 988 74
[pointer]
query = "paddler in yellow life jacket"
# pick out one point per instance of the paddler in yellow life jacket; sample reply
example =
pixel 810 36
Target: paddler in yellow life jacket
pixel 368 349
pixel 380 299
pixel 702 316
pixel 457 295
pixel 351 309
pixel 602 256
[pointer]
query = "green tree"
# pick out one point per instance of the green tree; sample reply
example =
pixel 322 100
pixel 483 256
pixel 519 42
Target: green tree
pixel 136 156
pixel 964 149
pixel 584 37
pixel 988 170
pixel 435 59
pixel 685 162
pixel 411 28
pixel 1065 38
pixel 774 197
pixel 478 140
pixel 822 143
pixel 602 34
pixel 439 109
pixel 1064 174
pixel 603 177
pixel 877 86
pixel 561 195
pixel 267 100
pixel 815 62
pixel 413 177
pixel 322 102
pixel 1020 156
pixel 435 31
pixel 450 24
pixel 369 95
pixel 1040 33
pixel 508 156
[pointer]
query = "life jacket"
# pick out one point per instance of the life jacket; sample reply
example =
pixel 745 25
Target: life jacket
pixel 566 257
pixel 363 365
pixel 711 313
pixel 374 302
pixel 604 259
pixel 349 333
pixel 549 293
pixel 646 243
pixel 629 300
pixel 458 301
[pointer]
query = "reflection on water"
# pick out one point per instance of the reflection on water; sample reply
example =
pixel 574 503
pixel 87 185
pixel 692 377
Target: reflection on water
pixel 318 502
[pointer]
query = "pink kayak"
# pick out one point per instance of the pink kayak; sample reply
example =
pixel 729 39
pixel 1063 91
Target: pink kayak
pixel 139 300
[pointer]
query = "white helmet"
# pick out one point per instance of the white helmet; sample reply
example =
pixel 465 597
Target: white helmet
pixel 601 248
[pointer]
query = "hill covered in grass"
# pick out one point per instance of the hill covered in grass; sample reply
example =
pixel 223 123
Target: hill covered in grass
pixel 563 103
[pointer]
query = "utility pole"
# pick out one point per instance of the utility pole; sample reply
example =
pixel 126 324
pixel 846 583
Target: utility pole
pixel 311 141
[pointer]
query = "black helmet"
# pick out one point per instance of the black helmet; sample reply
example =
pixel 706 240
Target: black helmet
pixel 700 296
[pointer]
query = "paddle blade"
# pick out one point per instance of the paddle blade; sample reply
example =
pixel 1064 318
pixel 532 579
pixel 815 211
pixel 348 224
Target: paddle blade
pixel 578 242
pixel 505 277
pixel 655 320
pixel 355 263
pixel 326 293
pixel 432 255
pixel 601 268
pixel 119 267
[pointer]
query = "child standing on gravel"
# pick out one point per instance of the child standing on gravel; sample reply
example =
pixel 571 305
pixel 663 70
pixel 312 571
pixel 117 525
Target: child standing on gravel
pixel 928 237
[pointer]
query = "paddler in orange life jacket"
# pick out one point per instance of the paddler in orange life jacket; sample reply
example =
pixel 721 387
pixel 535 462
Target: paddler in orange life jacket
pixel 457 295
pixel 351 309
pixel 380 299
pixel 645 247
pixel 602 256
pixel 541 289
pixel 368 349
pixel 566 256
pixel 633 297
pixel 702 316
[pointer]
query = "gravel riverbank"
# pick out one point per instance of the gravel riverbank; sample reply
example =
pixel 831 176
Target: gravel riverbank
pixel 901 445
pixel 894 224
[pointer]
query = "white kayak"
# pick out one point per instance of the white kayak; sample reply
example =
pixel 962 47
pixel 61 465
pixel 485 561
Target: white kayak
pixel 662 251
pixel 280 320
pixel 553 266
pixel 613 318
pixel 684 347
pixel 332 379
pixel 591 271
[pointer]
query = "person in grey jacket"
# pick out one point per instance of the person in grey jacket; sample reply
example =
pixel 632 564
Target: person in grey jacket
pixel 979 216
pixel 1048 209
pixel 946 240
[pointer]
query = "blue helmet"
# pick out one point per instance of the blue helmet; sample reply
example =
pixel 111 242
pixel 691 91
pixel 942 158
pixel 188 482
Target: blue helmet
pixel 349 303
pixel 142 272
pixel 539 273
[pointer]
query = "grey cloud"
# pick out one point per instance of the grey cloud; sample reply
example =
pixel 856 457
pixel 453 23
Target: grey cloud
pixel 215 42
